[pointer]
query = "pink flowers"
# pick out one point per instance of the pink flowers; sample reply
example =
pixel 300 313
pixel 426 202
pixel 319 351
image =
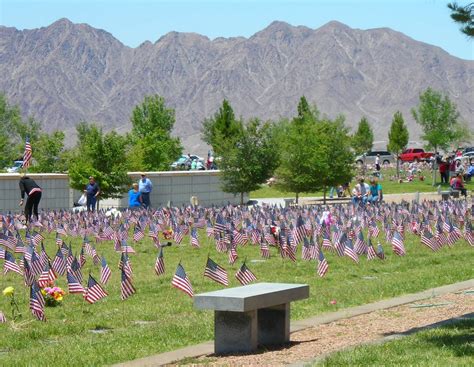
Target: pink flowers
pixel 333 302
pixel 53 296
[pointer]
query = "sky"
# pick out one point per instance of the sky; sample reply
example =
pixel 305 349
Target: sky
pixel 134 21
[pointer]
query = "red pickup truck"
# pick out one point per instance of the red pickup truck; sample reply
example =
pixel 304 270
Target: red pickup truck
pixel 410 155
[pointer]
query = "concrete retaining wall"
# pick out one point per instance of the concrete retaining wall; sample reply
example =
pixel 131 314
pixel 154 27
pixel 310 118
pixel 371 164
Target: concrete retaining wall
pixel 174 188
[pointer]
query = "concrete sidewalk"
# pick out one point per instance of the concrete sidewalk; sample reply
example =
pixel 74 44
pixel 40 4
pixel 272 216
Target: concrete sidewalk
pixel 388 198
pixel 208 347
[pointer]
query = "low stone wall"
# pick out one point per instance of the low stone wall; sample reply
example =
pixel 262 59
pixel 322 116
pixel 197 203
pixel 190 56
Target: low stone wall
pixel 173 188
pixel 56 192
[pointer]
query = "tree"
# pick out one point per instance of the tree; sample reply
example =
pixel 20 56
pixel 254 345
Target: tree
pixel 305 112
pixel 397 137
pixel 463 15
pixel 250 160
pixel 102 156
pixel 48 153
pixel 437 116
pixel 363 139
pixel 222 129
pixel 315 155
pixel 152 123
pixel 9 118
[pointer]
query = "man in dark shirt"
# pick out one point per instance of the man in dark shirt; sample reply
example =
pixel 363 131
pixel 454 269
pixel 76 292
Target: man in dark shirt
pixel 92 191
pixel 29 187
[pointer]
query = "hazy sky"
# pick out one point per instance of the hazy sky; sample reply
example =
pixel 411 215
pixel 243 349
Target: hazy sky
pixel 133 22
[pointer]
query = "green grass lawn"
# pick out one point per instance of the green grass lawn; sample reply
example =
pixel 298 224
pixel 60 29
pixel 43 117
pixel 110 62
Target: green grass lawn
pixel 160 318
pixel 389 187
pixel 451 345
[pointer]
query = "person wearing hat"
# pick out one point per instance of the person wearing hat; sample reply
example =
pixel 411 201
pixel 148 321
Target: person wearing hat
pixel 29 187
pixel 92 191
pixel 145 186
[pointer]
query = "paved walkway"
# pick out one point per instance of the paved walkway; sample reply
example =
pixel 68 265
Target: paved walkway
pixel 389 198
pixel 207 348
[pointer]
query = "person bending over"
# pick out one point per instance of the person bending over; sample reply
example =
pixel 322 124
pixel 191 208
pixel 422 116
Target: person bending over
pixel 29 187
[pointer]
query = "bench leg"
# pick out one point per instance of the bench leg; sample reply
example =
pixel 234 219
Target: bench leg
pixel 274 325
pixel 235 331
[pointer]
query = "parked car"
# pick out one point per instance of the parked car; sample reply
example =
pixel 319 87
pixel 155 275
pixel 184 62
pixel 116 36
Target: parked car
pixel 468 150
pixel 385 157
pixel 184 162
pixel 466 156
pixel 415 154
pixel 16 167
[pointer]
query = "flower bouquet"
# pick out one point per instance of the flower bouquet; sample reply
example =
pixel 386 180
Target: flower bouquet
pixel 10 292
pixel 53 296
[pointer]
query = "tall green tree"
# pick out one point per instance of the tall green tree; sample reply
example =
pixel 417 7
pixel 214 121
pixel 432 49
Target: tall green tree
pixel 464 15
pixel 305 112
pixel 438 118
pixel 10 118
pixel 314 155
pixel 363 139
pixel 250 160
pixel 397 137
pixel 222 129
pixel 152 124
pixel 49 153
pixel 102 156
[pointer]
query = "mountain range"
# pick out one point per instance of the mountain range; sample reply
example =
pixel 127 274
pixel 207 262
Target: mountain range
pixel 67 72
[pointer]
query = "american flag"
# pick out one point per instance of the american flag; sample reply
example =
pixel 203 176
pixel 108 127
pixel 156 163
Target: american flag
pixel 323 265
pixel 397 244
pixel 264 250
pixel 428 239
pixel 59 263
pixel 125 265
pixel 10 264
pixel 216 272
pixel 37 302
pixel 349 251
pixel 76 269
pixel 126 286
pixel 306 252
pixel 244 275
pixel 209 228
pixel 178 235
pixel 194 238
pixel 74 286
pixel 2 253
pixel 35 262
pixel 371 254
pixel 105 272
pixel 6 242
pixel 3 319
pixel 27 154
pixel 28 275
pixel 47 276
pixel 181 281
pixel 380 252
pixel 138 233
pixel 160 263
pixel 94 291
pixel 126 248
pixel 360 245
pixel 232 255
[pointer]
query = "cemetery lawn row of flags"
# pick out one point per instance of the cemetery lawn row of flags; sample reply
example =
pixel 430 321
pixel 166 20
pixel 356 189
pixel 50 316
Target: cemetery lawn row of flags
pixel 339 230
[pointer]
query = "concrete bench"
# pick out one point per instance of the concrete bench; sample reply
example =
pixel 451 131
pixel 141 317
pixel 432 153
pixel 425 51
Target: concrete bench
pixel 252 315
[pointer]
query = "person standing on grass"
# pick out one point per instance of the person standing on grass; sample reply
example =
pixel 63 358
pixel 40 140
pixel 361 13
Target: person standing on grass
pixel 92 191
pixel 29 187
pixel 145 186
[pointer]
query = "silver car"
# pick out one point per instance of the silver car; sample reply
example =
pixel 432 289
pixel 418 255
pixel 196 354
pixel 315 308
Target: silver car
pixel 369 157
